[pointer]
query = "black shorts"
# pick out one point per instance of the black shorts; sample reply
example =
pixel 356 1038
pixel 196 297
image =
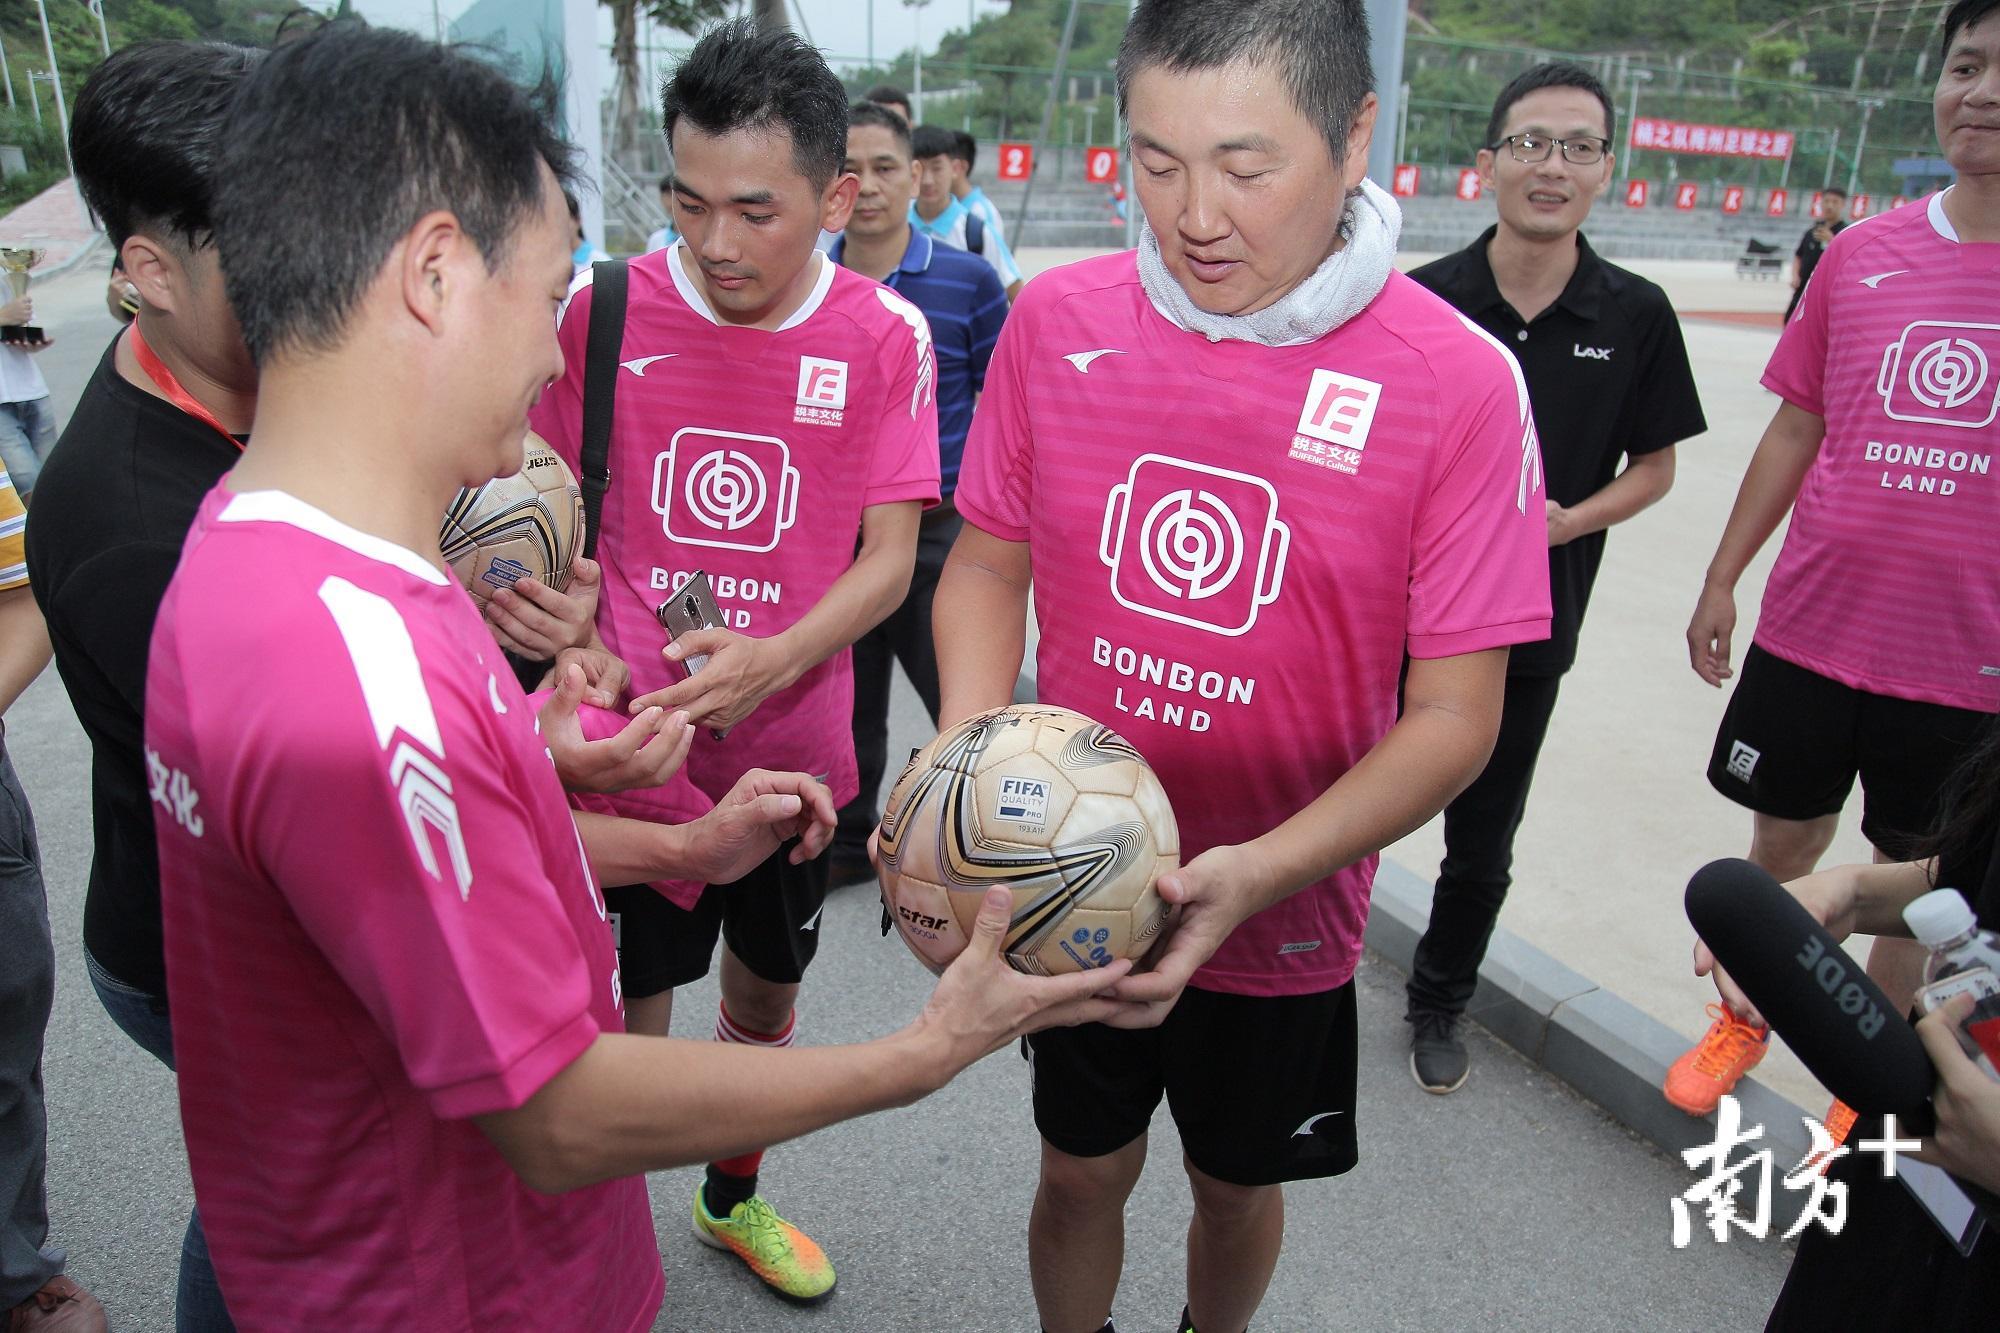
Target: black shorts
pixel 1792 742
pixel 1261 1087
pixel 770 919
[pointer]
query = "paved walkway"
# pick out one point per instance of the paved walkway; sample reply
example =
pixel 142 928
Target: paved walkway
pixel 55 222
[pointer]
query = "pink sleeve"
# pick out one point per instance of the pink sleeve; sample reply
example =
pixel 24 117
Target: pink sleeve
pixel 995 477
pixel 558 416
pixel 905 463
pixel 1479 563
pixel 416 875
pixel 1797 370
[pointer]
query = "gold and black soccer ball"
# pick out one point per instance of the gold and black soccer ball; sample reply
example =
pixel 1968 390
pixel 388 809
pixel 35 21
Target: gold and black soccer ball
pixel 1047 803
pixel 529 525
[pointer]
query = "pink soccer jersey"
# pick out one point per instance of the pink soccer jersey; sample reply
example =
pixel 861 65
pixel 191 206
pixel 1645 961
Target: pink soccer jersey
pixel 379 924
pixel 749 454
pixel 1234 546
pixel 1889 579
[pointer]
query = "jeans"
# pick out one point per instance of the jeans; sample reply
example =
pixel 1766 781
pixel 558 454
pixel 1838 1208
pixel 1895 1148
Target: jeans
pixel 905 636
pixel 1479 829
pixel 27 993
pixel 142 1016
pixel 27 434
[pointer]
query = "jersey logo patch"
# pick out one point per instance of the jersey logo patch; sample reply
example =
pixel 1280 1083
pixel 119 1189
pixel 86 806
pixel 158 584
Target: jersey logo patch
pixel 638 364
pixel 822 392
pixel 1742 761
pixel 1196 545
pixel 1334 424
pixel 1082 360
pixel 1940 373
pixel 1874 281
pixel 721 488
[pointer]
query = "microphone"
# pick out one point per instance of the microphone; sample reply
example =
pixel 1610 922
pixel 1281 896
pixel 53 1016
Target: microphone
pixel 1812 993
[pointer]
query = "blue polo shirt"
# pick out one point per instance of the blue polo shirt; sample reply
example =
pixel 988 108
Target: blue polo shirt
pixel 962 298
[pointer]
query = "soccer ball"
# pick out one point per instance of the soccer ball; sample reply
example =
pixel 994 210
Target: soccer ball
pixel 529 525
pixel 1044 801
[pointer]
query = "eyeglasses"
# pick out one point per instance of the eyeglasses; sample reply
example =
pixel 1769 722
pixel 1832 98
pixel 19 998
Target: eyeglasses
pixel 1537 147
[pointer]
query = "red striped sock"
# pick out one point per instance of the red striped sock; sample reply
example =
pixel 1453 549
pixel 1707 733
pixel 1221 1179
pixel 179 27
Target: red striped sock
pixel 728 1029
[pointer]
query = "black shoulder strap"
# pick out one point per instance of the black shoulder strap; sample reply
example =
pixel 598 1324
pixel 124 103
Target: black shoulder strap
pixel 606 338
pixel 975 233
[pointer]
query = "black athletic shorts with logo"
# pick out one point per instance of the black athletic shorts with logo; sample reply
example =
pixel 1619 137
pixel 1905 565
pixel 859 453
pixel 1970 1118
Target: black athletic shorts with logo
pixel 770 919
pixel 1792 742
pixel 1261 1087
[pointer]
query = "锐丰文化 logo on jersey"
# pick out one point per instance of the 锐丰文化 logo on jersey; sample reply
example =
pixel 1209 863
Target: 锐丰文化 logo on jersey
pixel 725 489
pixel 822 392
pixel 1334 424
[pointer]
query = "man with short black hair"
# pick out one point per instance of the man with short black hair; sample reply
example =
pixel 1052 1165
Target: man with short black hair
pixel 1832 221
pixel 965 307
pixel 1608 377
pixel 1244 473
pixel 964 156
pixel 941 215
pixel 889 95
pixel 775 424
pixel 407 1095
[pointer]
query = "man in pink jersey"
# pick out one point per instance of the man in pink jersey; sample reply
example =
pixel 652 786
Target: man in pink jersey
pixel 776 429
pixel 1877 651
pixel 406 1091
pixel 1246 471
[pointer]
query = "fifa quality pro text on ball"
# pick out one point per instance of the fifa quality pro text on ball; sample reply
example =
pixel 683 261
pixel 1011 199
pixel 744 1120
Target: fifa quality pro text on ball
pixel 1047 803
pixel 529 525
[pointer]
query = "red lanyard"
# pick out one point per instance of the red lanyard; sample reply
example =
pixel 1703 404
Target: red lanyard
pixel 156 371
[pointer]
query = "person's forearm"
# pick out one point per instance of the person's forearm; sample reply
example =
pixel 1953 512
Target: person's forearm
pixel 1882 891
pixel 979 620
pixel 859 600
pixel 1784 455
pixel 637 851
pixel 24 644
pixel 632 1104
pixel 1645 480
pixel 1432 754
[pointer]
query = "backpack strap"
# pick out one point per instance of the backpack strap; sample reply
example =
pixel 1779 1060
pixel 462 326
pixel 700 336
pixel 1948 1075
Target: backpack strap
pixel 975 233
pixel 604 341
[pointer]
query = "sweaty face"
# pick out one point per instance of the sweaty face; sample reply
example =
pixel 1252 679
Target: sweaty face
pixel 881 163
pixel 750 219
pixel 1967 101
pixel 516 328
pixel 1547 200
pixel 1239 187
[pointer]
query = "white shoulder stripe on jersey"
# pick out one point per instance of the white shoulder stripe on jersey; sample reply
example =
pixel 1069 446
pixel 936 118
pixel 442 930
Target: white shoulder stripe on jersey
pixel 280 507
pixel 1531 444
pixel 385 662
pixel 392 684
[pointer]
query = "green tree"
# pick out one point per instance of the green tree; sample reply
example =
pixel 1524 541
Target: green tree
pixel 687 16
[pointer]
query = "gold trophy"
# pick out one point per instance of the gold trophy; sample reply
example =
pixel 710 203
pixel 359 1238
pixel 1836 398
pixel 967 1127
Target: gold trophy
pixel 15 261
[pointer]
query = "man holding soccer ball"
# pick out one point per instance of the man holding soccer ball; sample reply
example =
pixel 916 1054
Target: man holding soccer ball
pixel 1246 471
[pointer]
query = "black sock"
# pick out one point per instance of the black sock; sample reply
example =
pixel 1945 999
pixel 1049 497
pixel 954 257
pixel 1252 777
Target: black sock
pixel 721 1191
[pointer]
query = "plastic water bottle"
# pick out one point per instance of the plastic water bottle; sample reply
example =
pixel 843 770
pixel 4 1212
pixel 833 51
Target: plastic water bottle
pixel 1964 960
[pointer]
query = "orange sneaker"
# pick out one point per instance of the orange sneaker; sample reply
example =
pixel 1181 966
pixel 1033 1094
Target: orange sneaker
pixel 1729 1049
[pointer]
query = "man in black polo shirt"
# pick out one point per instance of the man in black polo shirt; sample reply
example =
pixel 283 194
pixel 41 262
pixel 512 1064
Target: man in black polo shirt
pixel 1608 376
pixel 1831 222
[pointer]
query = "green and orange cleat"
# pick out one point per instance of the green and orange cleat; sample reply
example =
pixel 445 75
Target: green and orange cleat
pixel 784 1258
